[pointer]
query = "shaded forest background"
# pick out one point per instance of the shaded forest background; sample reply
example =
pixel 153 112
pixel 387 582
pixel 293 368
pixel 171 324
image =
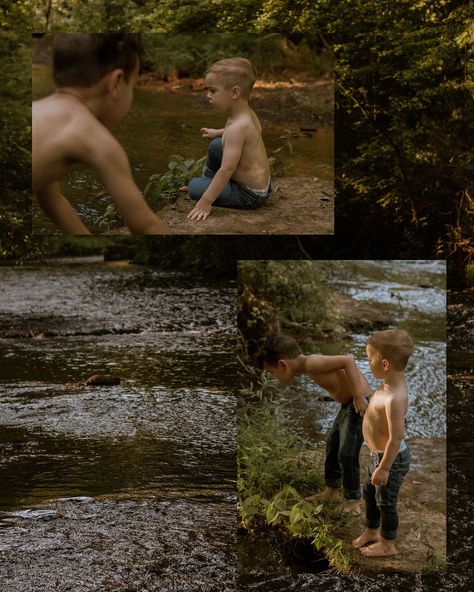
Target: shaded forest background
pixel 404 108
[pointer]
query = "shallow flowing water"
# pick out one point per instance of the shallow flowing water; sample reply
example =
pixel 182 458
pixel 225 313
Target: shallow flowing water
pixel 165 123
pixel 128 487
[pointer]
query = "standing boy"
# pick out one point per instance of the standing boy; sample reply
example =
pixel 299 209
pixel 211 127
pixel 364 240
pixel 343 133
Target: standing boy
pixel 94 74
pixel 383 429
pixel 339 376
pixel 237 173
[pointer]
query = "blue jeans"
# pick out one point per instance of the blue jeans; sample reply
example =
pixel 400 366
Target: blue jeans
pixel 381 500
pixel 234 194
pixel 342 452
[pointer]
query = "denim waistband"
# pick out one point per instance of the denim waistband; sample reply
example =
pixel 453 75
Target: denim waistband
pixel 403 447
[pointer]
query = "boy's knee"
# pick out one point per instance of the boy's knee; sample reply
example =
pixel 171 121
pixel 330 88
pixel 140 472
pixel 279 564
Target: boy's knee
pixel 195 190
pixel 215 147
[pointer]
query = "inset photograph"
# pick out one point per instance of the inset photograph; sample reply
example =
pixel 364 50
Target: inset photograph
pixel 182 134
pixel 342 420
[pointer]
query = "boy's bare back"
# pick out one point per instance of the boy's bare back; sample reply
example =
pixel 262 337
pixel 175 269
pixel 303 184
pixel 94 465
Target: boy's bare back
pixel 95 74
pixel 253 169
pixel 327 372
pixel 67 137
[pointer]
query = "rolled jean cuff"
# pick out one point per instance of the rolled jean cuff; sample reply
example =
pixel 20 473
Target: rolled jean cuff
pixel 389 534
pixel 353 494
pixel 372 523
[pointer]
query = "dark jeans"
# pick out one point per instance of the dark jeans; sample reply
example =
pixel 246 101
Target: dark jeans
pixel 342 452
pixel 381 500
pixel 234 194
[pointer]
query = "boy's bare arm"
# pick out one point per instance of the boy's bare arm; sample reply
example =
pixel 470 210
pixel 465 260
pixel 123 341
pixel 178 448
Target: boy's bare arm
pixel 209 132
pixel 395 412
pixel 317 364
pixel 234 142
pixel 60 211
pixel 114 169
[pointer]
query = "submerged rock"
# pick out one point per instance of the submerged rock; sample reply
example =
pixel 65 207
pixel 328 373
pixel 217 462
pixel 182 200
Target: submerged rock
pixel 97 380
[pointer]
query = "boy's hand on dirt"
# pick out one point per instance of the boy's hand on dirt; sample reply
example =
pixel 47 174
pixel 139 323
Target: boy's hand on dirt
pixel 200 211
pixel 379 476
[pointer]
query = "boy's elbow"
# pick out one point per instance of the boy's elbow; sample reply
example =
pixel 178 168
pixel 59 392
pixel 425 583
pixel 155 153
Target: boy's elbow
pixel 228 170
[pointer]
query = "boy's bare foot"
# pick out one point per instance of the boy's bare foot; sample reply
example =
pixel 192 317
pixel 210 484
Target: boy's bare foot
pixel 329 494
pixel 370 535
pixel 352 507
pixel 184 189
pixel 382 548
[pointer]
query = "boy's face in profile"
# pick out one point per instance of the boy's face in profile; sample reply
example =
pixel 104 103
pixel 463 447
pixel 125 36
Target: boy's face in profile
pixel 219 96
pixel 376 362
pixel 281 371
pixel 122 96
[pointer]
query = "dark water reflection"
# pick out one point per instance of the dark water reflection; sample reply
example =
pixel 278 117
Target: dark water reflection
pixel 158 449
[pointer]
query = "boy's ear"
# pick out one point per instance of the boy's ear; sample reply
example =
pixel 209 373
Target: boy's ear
pixel 114 79
pixel 282 364
pixel 385 364
pixel 236 92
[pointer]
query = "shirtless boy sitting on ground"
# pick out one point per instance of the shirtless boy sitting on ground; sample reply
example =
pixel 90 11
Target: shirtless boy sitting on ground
pixel 94 74
pixel 237 173
pixel 383 429
pixel 339 376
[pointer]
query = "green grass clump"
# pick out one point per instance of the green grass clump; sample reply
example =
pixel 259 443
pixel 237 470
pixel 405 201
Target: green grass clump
pixel 275 475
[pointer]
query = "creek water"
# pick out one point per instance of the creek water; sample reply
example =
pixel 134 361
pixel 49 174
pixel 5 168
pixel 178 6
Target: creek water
pixel 129 487
pixel 413 295
pixel 164 123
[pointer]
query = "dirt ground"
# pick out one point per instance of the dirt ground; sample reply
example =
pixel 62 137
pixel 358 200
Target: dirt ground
pixel 422 512
pixel 298 205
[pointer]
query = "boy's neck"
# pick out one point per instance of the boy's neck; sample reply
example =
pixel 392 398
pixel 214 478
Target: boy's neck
pixel 297 364
pixel 89 97
pixel 238 107
pixel 394 379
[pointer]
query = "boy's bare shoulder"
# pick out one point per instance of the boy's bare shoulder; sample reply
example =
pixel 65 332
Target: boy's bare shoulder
pixel 67 126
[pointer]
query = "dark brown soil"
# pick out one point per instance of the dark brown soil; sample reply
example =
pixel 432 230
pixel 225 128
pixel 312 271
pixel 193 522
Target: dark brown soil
pixel 298 205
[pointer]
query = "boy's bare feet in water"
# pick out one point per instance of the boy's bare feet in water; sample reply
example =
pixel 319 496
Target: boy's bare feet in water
pixel 370 535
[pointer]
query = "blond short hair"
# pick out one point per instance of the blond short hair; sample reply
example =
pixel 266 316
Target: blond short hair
pixel 394 345
pixel 235 72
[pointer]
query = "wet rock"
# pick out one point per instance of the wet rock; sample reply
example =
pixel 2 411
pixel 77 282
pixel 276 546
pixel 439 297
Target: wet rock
pixel 361 315
pixel 102 380
pixel 97 380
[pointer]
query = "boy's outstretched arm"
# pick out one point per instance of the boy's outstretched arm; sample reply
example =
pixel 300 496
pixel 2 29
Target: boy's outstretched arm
pixel 234 142
pixel 113 166
pixel 317 364
pixel 209 132
pixel 60 211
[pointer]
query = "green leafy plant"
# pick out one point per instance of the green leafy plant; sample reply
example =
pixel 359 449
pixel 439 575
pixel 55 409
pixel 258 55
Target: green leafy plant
pixel 162 188
pixel 276 473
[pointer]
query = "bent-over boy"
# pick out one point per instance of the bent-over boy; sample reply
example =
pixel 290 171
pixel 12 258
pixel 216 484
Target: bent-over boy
pixel 340 377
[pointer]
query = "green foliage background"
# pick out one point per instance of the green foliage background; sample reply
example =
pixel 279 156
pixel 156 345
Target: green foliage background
pixel 404 106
